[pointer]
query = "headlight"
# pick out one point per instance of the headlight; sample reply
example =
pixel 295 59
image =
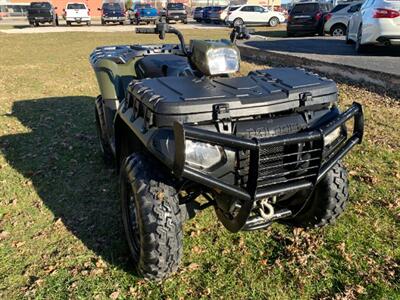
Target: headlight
pixel 222 61
pixel 331 137
pixel 202 155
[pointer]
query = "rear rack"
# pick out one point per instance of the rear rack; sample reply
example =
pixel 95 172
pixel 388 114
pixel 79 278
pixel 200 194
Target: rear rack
pixel 269 184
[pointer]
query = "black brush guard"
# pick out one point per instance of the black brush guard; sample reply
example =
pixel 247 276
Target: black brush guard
pixel 258 149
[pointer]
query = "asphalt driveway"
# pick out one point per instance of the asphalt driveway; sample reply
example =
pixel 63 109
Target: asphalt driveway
pixel 332 50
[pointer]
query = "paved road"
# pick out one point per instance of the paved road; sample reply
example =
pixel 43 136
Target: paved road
pixel 332 50
pixel 23 27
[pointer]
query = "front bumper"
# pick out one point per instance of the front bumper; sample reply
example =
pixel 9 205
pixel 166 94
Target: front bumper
pixel 257 147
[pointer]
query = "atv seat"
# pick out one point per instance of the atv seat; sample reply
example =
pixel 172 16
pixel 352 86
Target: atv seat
pixel 161 65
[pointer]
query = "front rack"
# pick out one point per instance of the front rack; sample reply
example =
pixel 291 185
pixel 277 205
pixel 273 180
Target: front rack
pixel 254 188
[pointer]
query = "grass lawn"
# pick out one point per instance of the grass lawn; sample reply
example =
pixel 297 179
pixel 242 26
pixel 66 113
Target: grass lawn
pixel 60 229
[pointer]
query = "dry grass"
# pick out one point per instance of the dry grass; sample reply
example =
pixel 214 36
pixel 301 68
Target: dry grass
pixel 60 232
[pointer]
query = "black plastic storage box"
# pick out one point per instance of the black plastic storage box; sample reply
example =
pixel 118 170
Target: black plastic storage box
pixel 194 100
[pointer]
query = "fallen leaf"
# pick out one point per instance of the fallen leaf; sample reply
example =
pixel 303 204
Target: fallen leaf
pixel 114 295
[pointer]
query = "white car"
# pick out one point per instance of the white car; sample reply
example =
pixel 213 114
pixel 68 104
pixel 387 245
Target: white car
pixel 335 22
pixel 253 15
pixel 377 22
pixel 76 13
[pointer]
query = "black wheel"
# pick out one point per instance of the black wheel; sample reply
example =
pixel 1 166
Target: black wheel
pixel 151 218
pixel 237 22
pixel 338 30
pixel 348 40
pixel 327 202
pixel 273 22
pixel 36 24
pixel 360 48
pixel 101 131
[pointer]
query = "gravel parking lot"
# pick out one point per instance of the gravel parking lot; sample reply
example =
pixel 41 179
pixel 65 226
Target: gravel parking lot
pixel 22 26
pixel 332 50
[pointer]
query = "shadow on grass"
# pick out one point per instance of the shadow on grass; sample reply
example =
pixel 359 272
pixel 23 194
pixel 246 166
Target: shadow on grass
pixel 60 157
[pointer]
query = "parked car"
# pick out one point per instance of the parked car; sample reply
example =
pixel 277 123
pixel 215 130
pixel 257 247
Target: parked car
pixel 175 12
pixel 42 12
pixel 337 19
pixel 112 12
pixel 377 22
pixel 307 18
pixel 254 15
pixel 198 14
pixel 142 13
pixel 206 14
pixel 218 14
pixel 76 13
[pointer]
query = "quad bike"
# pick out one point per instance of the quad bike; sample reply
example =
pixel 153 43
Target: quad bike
pixel 185 135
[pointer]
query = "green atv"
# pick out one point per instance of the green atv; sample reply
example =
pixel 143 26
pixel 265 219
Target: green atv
pixel 186 135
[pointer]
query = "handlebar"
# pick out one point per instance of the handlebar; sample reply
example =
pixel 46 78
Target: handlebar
pixel 163 28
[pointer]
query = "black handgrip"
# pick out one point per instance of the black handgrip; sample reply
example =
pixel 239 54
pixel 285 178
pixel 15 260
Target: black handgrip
pixel 146 30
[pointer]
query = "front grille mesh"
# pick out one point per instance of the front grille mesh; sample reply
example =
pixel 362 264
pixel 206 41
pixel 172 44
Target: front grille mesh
pixel 281 164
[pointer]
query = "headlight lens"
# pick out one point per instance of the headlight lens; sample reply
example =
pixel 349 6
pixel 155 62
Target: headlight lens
pixel 223 61
pixel 331 137
pixel 202 155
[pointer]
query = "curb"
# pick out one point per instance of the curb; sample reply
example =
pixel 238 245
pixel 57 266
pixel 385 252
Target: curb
pixel 389 82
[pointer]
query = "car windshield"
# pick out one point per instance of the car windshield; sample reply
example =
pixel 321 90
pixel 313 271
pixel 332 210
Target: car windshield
pixel 232 8
pixel 305 8
pixel 111 6
pixel 175 6
pixel 198 9
pixel 40 5
pixel 76 6
pixel 339 7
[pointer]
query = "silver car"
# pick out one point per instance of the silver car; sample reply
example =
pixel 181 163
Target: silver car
pixel 337 19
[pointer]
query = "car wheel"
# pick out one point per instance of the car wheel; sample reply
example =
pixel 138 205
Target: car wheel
pixel 327 202
pixel 348 40
pixel 237 22
pixel 338 30
pixel 151 217
pixel 273 22
pixel 360 48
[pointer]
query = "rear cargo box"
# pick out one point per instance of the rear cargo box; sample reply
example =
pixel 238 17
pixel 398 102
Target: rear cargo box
pixel 194 100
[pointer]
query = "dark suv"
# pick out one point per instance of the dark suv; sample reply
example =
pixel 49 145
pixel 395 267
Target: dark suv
pixel 307 18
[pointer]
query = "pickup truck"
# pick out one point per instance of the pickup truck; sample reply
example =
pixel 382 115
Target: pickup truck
pixel 42 12
pixel 76 12
pixel 175 12
pixel 112 12
pixel 143 13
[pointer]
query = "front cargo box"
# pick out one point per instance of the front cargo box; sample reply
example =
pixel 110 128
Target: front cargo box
pixel 194 100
